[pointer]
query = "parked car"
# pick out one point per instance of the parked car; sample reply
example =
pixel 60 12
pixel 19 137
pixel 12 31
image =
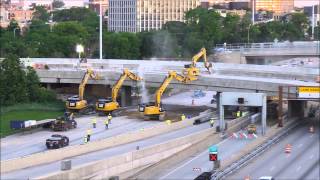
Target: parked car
pixel 57 141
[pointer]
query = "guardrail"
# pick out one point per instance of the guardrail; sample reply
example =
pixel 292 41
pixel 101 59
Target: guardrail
pixel 216 175
pixel 270 46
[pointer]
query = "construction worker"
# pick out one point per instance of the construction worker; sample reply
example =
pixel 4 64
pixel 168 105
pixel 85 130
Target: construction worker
pixel 85 139
pixel 94 122
pixel 109 118
pixel 211 122
pixel 238 114
pixel 89 132
pixel 106 122
pixel 183 117
pixel 71 117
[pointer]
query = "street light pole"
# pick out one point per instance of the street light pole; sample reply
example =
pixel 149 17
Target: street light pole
pixel 100 42
pixel 312 22
pixel 249 33
pixel 14 32
pixel 253 11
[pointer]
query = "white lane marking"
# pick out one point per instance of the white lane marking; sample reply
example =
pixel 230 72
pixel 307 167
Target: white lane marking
pixel 271 169
pixel 298 168
pixel 163 177
pixel 311 156
pixel 300 145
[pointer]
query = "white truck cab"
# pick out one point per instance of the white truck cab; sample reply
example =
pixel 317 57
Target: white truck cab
pixel 266 178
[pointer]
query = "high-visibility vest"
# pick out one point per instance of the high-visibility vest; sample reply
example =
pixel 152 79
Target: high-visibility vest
pixel 94 121
pixel 211 121
pixel 109 117
pixel 183 117
pixel 238 113
pixel 106 122
pixel 85 140
pixel 89 132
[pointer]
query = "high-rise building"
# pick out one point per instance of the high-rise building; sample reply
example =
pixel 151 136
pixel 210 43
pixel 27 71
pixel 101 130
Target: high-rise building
pixel 277 6
pixel 95 5
pixel 145 15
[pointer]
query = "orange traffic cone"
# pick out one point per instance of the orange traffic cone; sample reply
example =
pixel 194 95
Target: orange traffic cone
pixel 311 129
pixel 247 178
pixel 288 148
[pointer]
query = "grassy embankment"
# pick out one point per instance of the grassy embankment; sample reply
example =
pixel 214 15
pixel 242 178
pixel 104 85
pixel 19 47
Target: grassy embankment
pixel 29 111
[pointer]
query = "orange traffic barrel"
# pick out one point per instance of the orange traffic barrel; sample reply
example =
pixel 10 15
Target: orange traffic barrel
pixel 288 148
pixel 311 129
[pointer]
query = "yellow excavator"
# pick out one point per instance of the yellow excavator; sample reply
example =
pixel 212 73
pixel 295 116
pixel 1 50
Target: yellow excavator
pixel 110 104
pixel 155 110
pixel 77 103
pixel 191 71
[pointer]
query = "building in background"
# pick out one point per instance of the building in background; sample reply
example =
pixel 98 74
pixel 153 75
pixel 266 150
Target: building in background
pixel 95 5
pixel 308 11
pixel 278 7
pixel 145 15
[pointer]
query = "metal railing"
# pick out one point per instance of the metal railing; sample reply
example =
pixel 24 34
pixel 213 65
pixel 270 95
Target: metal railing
pixel 269 46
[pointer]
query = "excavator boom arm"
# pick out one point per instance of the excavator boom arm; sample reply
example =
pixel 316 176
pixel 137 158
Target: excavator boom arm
pixel 126 73
pixel 172 75
pixel 197 57
pixel 84 81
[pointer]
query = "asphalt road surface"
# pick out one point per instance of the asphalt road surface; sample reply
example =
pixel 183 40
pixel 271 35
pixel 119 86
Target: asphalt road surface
pixel 40 170
pixel 302 163
pixel 29 143
pixel 195 165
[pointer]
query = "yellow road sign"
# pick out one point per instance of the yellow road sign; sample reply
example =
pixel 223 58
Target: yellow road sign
pixel 309 92
pixel 310 89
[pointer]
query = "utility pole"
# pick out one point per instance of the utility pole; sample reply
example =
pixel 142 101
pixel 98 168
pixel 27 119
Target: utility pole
pixel 312 22
pixel 100 42
pixel 253 11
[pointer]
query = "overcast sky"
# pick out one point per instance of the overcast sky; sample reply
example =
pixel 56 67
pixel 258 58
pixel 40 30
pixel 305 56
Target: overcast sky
pixel 301 3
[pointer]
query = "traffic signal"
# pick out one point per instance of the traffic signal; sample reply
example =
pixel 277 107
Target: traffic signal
pixel 213 157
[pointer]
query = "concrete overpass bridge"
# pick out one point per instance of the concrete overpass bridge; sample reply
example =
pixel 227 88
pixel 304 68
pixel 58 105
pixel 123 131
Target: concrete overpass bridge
pixel 225 77
pixel 264 53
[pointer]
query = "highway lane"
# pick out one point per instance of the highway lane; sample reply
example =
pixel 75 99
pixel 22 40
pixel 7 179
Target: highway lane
pixel 198 163
pixel 301 163
pixel 40 170
pixel 25 144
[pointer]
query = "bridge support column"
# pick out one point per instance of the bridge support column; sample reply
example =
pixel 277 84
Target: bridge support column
pixel 296 108
pixel 126 96
pixel 49 86
pixel 221 112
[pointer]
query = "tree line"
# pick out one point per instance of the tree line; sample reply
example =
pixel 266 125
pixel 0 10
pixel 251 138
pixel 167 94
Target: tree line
pixel 202 28
pixel 19 85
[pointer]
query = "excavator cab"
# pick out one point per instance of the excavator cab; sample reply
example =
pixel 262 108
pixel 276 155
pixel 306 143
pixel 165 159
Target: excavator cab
pixel 110 104
pixel 191 70
pixel 153 112
pixel 75 103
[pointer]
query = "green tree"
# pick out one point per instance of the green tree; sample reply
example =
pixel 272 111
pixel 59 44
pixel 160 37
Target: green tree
pixel 32 84
pixel 231 33
pixel 13 81
pixel 57 4
pixel 121 45
pixel 192 44
pixel 41 14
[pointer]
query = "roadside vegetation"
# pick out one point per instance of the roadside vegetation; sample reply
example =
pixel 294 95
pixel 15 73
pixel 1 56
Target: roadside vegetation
pixel 22 97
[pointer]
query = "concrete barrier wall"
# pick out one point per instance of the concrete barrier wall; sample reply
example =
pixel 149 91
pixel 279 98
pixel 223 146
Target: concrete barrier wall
pixel 140 158
pixel 135 159
pixel 59 154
